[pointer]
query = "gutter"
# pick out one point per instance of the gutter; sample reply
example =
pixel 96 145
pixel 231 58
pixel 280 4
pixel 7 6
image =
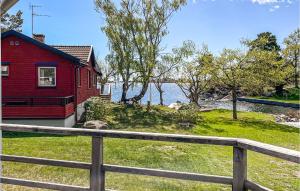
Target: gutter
pixel 6 5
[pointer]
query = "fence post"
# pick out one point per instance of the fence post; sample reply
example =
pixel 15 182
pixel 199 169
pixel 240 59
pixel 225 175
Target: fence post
pixel 97 174
pixel 239 169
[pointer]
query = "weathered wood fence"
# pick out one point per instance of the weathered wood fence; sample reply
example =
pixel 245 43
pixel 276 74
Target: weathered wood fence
pixel 239 181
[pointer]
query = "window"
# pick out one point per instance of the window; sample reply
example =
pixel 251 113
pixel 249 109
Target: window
pixel 4 70
pixel 47 76
pixel 95 80
pixel 89 79
pixel 78 77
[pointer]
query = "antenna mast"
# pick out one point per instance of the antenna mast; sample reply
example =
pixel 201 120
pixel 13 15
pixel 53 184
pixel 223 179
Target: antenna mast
pixel 33 14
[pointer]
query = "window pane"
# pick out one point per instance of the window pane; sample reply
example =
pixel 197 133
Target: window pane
pixel 47 77
pixel 4 70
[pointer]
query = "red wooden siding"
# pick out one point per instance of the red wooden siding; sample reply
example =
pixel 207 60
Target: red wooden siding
pixel 22 79
pixel 38 111
pixel 83 91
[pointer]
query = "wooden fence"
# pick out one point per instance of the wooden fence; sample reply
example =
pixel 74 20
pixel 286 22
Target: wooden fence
pixel 239 181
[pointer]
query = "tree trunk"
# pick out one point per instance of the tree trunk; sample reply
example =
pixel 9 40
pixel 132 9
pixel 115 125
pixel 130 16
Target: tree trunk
pixel 279 90
pixel 102 88
pixel 137 98
pixel 296 78
pixel 158 86
pixel 124 92
pixel 161 101
pixel 234 103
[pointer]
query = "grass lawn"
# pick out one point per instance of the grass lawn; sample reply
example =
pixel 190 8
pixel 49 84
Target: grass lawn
pixel 292 95
pixel 277 99
pixel 274 173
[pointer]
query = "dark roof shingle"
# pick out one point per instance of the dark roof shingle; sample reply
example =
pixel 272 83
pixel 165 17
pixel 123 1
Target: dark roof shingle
pixel 81 52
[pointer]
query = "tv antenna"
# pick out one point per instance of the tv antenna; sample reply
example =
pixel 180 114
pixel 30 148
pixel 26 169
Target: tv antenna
pixel 34 14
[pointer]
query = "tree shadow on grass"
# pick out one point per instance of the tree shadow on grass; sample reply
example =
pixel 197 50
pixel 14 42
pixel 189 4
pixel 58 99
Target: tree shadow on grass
pixel 267 125
pixel 205 128
pixel 137 117
pixel 258 124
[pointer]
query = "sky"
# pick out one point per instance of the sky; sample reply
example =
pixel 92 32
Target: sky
pixel 217 23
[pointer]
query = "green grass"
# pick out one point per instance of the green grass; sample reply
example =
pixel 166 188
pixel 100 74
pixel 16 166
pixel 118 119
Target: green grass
pixel 277 99
pixel 216 160
pixel 291 96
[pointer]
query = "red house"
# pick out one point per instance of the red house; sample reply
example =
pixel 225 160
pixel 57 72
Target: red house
pixel 44 84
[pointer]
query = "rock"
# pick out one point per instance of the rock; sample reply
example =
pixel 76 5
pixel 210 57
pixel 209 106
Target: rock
pixel 95 124
pixel 175 106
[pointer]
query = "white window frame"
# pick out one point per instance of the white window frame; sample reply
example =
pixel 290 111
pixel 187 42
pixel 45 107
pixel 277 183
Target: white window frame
pixel 39 76
pixel 7 70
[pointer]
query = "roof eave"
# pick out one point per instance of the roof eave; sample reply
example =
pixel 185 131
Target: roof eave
pixel 41 45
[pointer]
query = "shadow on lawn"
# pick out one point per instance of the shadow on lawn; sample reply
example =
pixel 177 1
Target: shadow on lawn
pixel 257 124
pixel 137 117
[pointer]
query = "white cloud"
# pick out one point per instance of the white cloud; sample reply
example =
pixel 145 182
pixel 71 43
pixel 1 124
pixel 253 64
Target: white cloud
pixel 262 2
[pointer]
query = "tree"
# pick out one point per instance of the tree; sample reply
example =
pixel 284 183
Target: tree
pixel 292 53
pixel 142 25
pixel 12 22
pixel 242 71
pixel 266 41
pixel 194 77
pixel 107 70
pixel 162 73
pixel 120 44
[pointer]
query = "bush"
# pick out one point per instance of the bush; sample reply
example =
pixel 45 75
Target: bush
pixel 188 113
pixel 96 109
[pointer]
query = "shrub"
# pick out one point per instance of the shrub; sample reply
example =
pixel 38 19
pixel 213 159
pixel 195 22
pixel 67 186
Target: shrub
pixel 96 109
pixel 188 113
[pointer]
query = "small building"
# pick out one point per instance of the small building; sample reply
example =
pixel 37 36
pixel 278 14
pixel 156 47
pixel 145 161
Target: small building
pixel 45 84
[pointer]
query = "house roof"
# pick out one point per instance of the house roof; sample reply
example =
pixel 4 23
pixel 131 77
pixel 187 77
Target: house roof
pixel 41 45
pixel 79 55
pixel 81 52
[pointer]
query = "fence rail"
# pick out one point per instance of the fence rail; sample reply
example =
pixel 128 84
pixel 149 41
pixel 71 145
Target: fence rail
pixel 36 101
pixel 97 169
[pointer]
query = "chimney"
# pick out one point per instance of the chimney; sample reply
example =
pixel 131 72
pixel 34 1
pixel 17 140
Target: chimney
pixel 39 37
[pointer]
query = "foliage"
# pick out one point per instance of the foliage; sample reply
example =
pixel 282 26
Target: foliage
pixel 292 54
pixel 162 73
pixel 277 75
pixel 107 70
pixel 135 30
pixel 188 113
pixel 265 41
pixel 96 109
pixel 243 71
pixel 193 69
pixel 12 22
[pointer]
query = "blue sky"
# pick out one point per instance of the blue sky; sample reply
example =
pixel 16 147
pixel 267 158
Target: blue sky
pixel 218 23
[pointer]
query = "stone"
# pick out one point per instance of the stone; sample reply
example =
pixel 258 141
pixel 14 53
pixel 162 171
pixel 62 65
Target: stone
pixel 175 106
pixel 95 124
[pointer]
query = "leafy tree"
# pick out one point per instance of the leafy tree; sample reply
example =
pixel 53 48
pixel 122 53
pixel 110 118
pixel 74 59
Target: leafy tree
pixel 162 72
pixel 142 26
pixel 292 53
pixel 194 77
pixel 12 22
pixel 107 70
pixel 265 41
pixel 242 71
